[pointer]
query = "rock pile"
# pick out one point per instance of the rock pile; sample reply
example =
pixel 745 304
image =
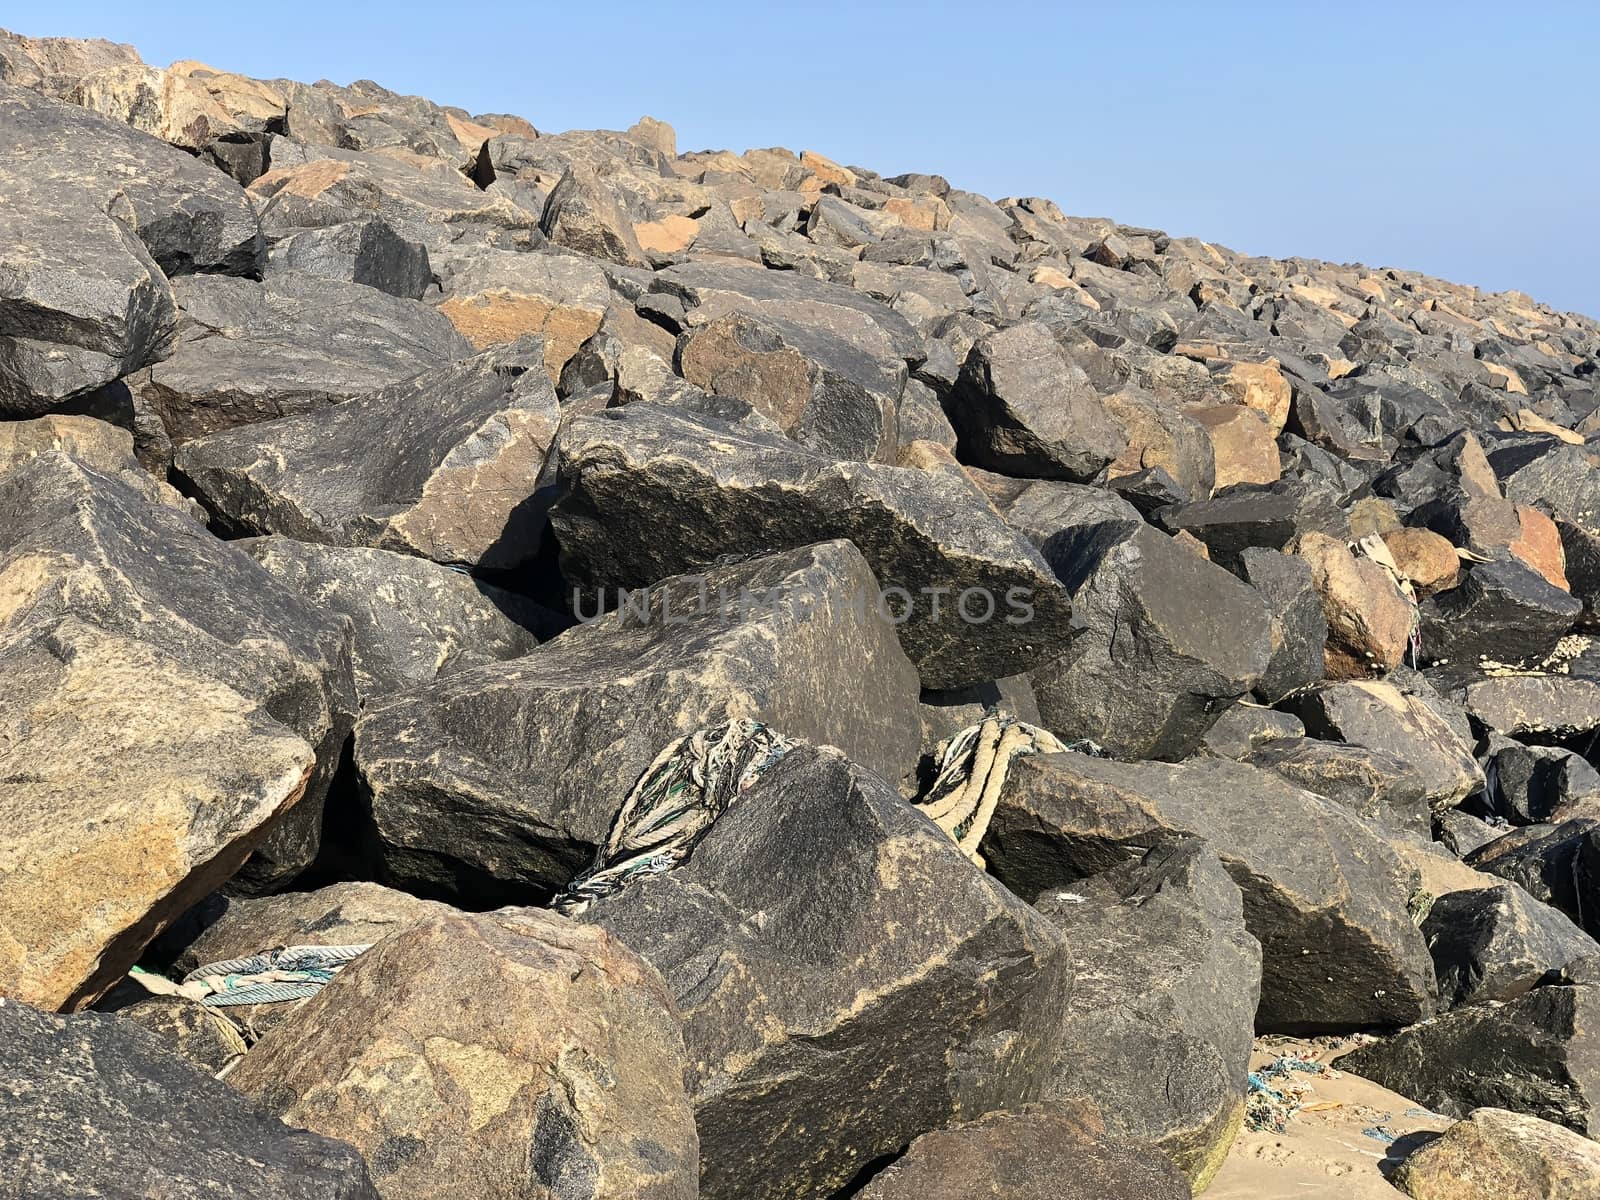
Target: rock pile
pixel 383 487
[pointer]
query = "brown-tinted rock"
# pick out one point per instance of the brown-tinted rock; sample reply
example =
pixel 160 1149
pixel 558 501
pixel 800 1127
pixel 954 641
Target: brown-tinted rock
pixel 1258 386
pixel 1369 621
pixel 1241 443
pixel 1540 546
pixel 496 296
pixel 1500 1155
pixel 1424 557
pixel 500 1055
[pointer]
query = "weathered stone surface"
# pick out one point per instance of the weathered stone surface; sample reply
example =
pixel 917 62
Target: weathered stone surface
pixel 1544 704
pixel 497 296
pixel 189 216
pixel 411 620
pixel 1504 612
pixel 1542 859
pixel 1300 627
pixel 1023 408
pixel 1497 943
pixel 1258 386
pixel 1380 716
pixel 510 774
pixel 1499 1155
pixel 1425 558
pixel 165 703
pixel 1461 833
pixel 98 445
pixel 1528 785
pixel 82 302
pixel 204 1036
pixel 699 490
pixel 1322 893
pixel 928 994
pixel 94 1106
pixel 1244 726
pixel 946 713
pixel 249 352
pixel 443 466
pixel 1241 443
pixel 502 1054
pixel 1369 621
pixel 1535 1055
pixel 819 390
pixel 1166 642
pixel 1037 1154
pixel 582 214
pixel 1162 1015
pixel 371 252
pixel 1375 785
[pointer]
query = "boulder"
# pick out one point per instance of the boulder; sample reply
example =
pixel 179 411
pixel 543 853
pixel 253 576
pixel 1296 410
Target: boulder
pixel 500 1055
pixel 94 1106
pixel 1499 1155
pixel 57 157
pixel 1023 408
pixel 411 620
pixel 1424 557
pixel 1535 1055
pixel 1529 785
pixel 842 999
pixel 1300 626
pixel 249 352
pixel 1382 717
pixel 507 776
pixel 1543 860
pixel 974 600
pixel 1160 1024
pixel 497 296
pixel 1258 386
pixel 1244 726
pixel 1166 641
pixel 1519 704
pixel 207 1037
pixel 370 252
pixel 1497 943
pixel 1324 895
pixel 582 214
pixel 443 466
pixel 1247 515
pixel 1242 443
pixel 168 709
pixel 98 445
pixel 1376 786
pixel 1038 1154
pixel 1504 613
pixel 820 390
pixel 1369 621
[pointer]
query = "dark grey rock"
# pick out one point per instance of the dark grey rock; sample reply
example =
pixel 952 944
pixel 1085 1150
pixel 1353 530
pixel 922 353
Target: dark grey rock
pixel 1377 786
pixel 1246 515
pixel 1504 612
pixel 94 1106
pixel 506 777
pixel 444 465
pixel 650 493
pixel 1166 642
pixel 1299 624
pixel 1542 859
pixel 1462 833
pixel 1162 1016
pixel 365 252
pixel 249 352
pixel 849 981
pixel 1528 785
pixel 1497 943
pixel 1243 727
pixel 1323 893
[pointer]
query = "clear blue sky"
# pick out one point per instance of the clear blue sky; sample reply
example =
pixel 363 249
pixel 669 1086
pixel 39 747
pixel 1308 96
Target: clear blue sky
pixel 1454 138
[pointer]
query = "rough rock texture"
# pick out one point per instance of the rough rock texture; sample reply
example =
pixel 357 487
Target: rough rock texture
pixel 1369 621
pixel 698 490
pixel 411 620
pixel 443 466
pixel 1160 1025
pixel 1038 1154
pixel 512 772
pixel 98 445
pixel 1504 612
pixel 1536 1055
pixel 1378 786
pixel 249 352
pixel 1382 717
pixel 1497 943
pixel 1166 641
pixel 152 734
pixel 849 980
pixel 1300 627
pixel 1542 859
pixel 205 1036
pixel 1533 784
pixel 499 1055
pixel 1500 1155
pixel 95 1106
pixel 497 296
pixel 1323 894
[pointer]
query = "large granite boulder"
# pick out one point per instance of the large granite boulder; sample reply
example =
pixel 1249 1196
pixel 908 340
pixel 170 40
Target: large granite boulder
pixel 1536 1055
pixel 168 709
pixel 1165 642
pixel 1500 1155
pixel 499 1055
pixel 649 493
pixel 1163 1011
pixel 444 466
pixel 411 620
pixel 849 980
pixel 507 776
pixel 249 352
pixel 1497 943
pixel 1323 894
pixel 94 1106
